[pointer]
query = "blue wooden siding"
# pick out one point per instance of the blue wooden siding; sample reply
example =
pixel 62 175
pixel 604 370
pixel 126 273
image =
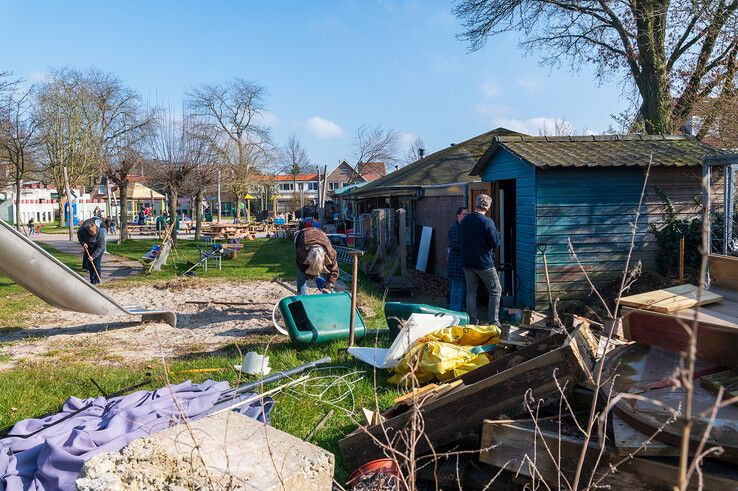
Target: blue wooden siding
pixel 595 209
pixel 505 165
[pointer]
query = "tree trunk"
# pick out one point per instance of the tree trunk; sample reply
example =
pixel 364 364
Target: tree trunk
pixel 60 202
pixel 198 214
pixel 172 197
pixel 656 107
pixel 18 203
pixel 652 77
pixel 123 211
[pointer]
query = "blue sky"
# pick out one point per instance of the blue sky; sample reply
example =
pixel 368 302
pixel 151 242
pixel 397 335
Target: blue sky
pixel 328 66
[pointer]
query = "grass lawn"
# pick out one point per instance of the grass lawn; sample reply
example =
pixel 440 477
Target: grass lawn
pixel 38 387
pixel 15 300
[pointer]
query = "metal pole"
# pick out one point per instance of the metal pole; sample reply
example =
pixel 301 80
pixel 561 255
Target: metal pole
pixel 354 286
pixel 681 260
pixel 273 378
pixel 220 212
pixel 70 221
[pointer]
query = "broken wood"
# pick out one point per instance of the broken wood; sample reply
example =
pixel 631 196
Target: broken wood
pixel 520 447
pixel 671 299
pixel 455 416
pixel 427 392
pixel 629 441
pixel 727 379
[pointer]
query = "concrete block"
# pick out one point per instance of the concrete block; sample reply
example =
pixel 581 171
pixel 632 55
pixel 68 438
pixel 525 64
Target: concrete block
pixel 238 453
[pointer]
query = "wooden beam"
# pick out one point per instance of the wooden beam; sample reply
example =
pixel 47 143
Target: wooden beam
pixel 453 417
pixel 519 447
pixel 724 271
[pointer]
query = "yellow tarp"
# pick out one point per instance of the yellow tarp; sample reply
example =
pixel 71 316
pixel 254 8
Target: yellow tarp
pixel 446 354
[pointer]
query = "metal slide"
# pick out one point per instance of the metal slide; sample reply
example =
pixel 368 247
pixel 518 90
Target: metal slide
pixel 46 277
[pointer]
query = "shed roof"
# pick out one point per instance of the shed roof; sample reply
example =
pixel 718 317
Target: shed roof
pixel 447 166
pixel 601 150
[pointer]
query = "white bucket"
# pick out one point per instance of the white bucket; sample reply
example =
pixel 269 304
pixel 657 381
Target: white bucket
pixel 255 364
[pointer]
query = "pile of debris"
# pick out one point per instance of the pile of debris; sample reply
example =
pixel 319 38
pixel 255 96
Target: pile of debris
pixel 561 402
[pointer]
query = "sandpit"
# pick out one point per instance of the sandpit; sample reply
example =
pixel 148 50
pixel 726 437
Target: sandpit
pixel 200 328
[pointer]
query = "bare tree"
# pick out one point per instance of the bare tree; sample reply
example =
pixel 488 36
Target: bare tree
pixel 675 52
pixel 18 126
pixel 557 127
pixel 67 135
pixel 415 152
pixel 203 176
pixel 122 124
pixel 375 144
pixel 233 114
pixel 296 163
pixel 177 151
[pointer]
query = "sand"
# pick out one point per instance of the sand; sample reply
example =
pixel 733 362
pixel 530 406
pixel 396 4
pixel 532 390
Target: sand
pixel 55 333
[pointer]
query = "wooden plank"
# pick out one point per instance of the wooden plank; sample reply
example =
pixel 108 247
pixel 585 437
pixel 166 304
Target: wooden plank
pixel 727 379
pixel 671 299
pixel 717 336
pixel 724 271
pixel 546 454
pixel 519 447
pixel 454 416
pixel 629 441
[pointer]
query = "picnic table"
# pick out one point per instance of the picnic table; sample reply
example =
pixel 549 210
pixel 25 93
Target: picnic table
pixel 228 230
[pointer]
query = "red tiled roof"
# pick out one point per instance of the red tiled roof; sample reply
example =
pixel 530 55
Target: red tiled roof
pixel 298 177
pixel 372 170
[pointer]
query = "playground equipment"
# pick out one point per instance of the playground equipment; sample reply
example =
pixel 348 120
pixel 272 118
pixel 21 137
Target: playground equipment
pixel 56 284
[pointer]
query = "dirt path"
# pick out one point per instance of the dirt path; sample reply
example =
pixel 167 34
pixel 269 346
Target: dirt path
pixel 113 266
pixel 57 334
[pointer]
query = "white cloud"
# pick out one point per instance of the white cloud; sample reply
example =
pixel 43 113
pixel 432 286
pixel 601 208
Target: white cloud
pixel 531 83
pixel 405 141
pixel 325 129
pixel 499 116
pixel 490 89
pixel 266 118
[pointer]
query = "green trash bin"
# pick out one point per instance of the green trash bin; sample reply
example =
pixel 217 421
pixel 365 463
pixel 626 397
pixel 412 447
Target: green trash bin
pixel 395 312
pixel 322 318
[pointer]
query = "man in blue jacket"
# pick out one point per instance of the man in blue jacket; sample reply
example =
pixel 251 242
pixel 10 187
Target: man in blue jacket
pixel 92 238
pixel 478 243
pixel 455 270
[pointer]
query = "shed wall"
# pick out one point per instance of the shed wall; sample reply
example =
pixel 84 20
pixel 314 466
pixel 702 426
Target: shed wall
pixel 505 165
pixel 438 212
pixel 595 208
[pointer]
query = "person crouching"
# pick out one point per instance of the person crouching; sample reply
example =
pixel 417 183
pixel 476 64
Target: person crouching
pixel 314 255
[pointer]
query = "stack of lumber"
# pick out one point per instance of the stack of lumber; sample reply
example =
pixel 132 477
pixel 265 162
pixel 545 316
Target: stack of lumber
pixel 520 419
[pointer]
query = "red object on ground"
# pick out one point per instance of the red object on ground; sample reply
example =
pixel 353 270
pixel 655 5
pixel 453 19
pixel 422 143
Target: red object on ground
pixel 386 466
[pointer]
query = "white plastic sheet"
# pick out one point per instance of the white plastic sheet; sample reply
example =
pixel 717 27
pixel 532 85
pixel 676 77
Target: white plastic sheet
pixel 417 326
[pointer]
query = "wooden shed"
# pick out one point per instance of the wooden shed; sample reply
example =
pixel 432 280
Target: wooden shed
pixel 550 191
pixel 430 189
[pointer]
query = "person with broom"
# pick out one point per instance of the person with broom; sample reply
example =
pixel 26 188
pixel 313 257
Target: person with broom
pixel 92 238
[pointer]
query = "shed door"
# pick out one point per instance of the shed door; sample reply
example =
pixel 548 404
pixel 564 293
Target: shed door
pixel 488 188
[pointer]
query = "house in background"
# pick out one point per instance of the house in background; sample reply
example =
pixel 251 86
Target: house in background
pixel 343 175
pixel 430 189
pixel 371 171
pixel 41 202
pixel 552 190
pixel 723 132
pixel 295 192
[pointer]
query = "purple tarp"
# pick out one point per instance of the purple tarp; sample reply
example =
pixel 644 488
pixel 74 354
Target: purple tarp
pixel 52 458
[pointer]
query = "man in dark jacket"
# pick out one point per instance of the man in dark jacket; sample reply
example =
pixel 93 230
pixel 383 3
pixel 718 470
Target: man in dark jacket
pixel 478 242
pixel 314 254
pixel 92 238
pixel 455 271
